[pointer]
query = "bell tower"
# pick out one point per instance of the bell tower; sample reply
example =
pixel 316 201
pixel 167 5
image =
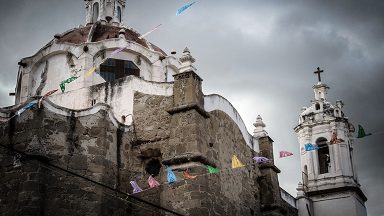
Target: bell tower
pixel 105 11
pixel 329 177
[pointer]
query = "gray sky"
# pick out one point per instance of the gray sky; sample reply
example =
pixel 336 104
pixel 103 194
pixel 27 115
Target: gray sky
pixel 258 54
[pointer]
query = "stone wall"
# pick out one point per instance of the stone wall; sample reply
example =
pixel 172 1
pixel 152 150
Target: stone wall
pixel 72 164
pixel 66 166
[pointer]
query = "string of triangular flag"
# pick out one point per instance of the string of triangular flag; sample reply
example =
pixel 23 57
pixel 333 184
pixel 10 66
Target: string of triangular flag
pixel 171 177
pixel 93 69
pixel 22 110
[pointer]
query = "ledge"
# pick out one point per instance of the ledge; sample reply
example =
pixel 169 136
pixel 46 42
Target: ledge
pixel 269 166
pixel 186 158
pixel 339 189
pixel 186 107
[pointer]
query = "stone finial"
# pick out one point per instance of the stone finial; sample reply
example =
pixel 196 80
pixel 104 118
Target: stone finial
pixel 339 104
pixel 259 128
pixel 122 33
pixel 186 61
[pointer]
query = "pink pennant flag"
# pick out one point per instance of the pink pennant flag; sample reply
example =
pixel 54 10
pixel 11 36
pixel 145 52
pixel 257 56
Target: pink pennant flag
pixel 152 182
pixel 117 51
pixel 46 95
pixel 146 34
pixel 285 154
pixel 136 188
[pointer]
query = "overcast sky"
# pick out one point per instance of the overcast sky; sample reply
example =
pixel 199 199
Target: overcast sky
pixel 258 54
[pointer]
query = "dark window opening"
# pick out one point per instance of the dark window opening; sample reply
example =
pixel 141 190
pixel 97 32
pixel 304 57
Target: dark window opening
pixel 115 69
pixel 153 167
pixel 317 106
pixel 95 12
pixel 323 155
pixel 119 13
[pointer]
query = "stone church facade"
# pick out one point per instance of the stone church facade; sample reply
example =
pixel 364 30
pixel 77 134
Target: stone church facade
pixel 141 111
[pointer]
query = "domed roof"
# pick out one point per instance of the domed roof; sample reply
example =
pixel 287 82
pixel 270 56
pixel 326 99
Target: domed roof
pixel 99 32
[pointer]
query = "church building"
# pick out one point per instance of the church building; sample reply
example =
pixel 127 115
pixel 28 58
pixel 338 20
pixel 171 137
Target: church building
pixel 107 123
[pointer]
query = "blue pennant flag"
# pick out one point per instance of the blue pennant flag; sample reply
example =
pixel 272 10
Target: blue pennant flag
pixel 171 176
pixel 27 107
pixel 185 7
pixel 310 147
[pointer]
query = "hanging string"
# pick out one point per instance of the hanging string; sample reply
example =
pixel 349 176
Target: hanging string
pixel 46 164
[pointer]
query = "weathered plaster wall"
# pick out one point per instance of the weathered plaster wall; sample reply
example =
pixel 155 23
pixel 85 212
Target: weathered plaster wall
pixel 118 94
pixel 65 60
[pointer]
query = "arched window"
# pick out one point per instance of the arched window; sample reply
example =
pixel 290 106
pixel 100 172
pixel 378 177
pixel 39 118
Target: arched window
pixel 95 10
pixel 323 155
pixel 115 69
pixel 119 13
pixel 317 106
pixel 305 177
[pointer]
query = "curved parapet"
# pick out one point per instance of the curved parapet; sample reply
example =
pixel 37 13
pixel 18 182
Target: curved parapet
pixel 217 102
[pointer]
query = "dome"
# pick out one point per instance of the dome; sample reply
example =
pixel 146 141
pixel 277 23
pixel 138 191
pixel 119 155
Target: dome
pixel 99 32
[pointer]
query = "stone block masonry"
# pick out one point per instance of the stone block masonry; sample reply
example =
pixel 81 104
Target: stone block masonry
pixel 82 165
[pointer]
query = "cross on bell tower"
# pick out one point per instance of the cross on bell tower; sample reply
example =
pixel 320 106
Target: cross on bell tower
pixel 318 72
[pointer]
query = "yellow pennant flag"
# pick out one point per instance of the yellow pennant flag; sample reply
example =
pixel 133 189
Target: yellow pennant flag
pixel 90 72
pixel 236 163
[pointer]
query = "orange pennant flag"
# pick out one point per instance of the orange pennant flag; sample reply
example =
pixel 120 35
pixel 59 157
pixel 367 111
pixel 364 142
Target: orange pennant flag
pixel 188 176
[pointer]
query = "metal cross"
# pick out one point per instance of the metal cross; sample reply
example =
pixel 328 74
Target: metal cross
pixel 318 73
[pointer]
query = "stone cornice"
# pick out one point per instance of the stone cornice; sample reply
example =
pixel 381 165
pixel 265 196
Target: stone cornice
pixel 186 107
pixel 339 189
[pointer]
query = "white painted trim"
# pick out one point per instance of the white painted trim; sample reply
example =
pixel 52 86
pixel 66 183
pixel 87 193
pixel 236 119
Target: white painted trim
pixel 217 102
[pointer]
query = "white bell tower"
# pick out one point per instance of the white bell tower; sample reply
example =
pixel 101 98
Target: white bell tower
pixel 329 178
pixel 105 11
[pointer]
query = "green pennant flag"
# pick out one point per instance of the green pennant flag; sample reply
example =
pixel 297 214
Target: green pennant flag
pixel 69 80
pixel 361 132
pixel 212 170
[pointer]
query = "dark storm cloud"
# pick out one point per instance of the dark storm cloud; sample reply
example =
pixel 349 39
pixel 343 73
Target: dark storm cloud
pixel 259 54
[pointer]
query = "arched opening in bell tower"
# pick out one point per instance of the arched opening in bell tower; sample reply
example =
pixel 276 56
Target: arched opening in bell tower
pixel 119 13
pixel 323 155
pixel 95 12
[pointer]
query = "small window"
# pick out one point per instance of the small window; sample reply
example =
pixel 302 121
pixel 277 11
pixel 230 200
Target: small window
pixel 119 13
pixel 153 167
pixel 317 106
pixel 323 155
pixel 95 11
pixel 93 102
